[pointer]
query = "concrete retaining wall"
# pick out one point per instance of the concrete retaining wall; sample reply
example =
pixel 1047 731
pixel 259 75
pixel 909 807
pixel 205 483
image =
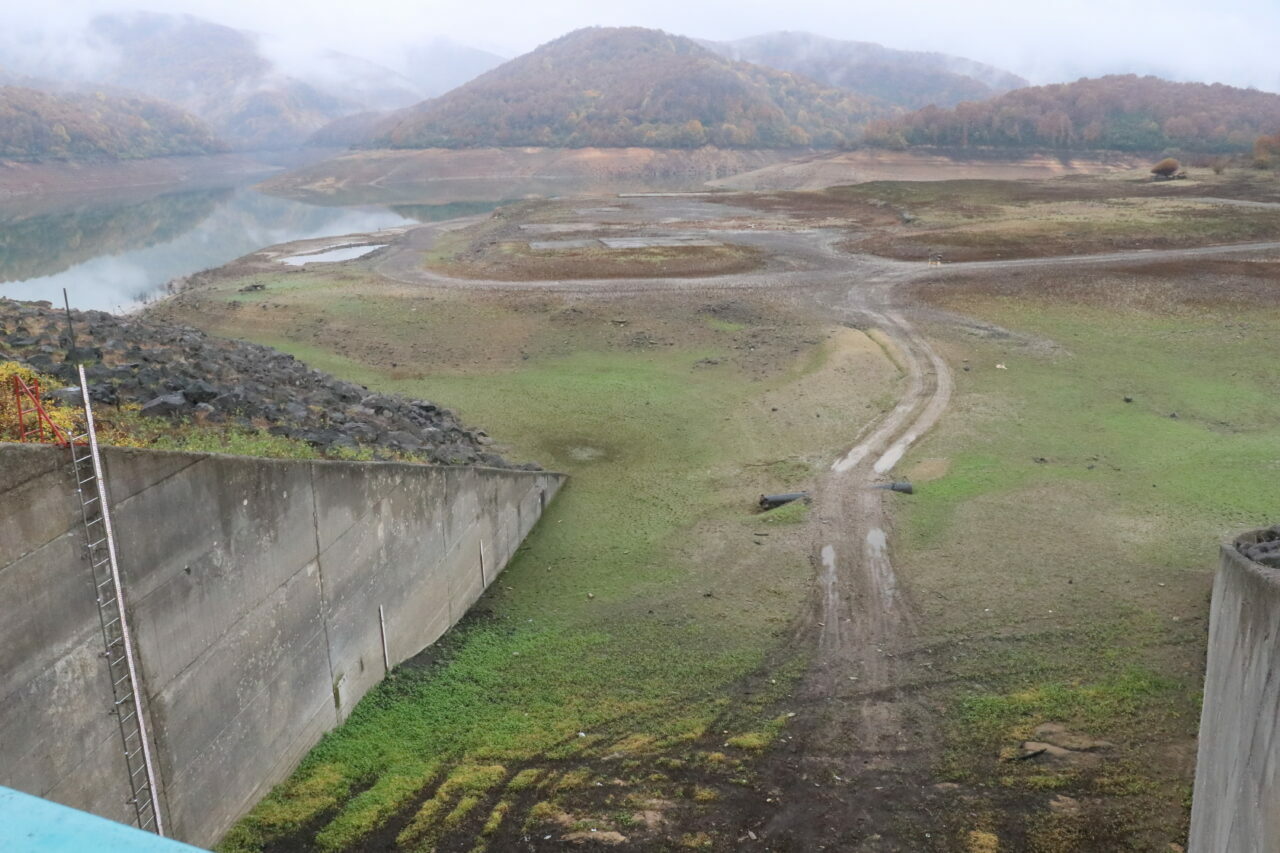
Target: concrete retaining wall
pixel 1236 805
pixel 253 590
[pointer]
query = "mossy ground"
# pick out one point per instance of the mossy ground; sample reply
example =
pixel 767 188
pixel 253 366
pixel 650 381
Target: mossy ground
pixel 1059 550
pixel 1063 560
pixel 615 646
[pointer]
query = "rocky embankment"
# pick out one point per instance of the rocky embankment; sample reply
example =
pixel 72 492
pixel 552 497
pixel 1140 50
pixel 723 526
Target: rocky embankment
pixel 1266 550
pixel 177 372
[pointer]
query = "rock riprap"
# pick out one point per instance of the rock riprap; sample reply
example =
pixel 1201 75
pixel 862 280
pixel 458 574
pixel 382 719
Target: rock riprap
pixel 178 372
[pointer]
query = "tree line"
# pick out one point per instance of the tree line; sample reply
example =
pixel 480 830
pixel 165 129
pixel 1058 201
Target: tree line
pixel 37 125
pixel 1119 113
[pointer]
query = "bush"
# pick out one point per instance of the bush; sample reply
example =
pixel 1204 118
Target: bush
pixel 1166 168
pixel 64 416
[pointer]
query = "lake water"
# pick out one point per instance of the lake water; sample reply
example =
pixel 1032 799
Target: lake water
pixel 114 253
pixel 349 253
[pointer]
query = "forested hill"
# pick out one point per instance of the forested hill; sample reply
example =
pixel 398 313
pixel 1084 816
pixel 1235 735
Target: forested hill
pixel 1120 113
pixel 910 79
pixel 631 86
pixel 37 125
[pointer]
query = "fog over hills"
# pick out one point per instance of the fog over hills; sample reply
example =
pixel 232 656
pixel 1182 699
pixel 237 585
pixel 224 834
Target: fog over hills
pixel 256 91
pixel 907 78
pixel 624 86
pixel 439 64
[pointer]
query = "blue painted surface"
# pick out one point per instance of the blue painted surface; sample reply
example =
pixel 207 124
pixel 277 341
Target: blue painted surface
pixel 29 824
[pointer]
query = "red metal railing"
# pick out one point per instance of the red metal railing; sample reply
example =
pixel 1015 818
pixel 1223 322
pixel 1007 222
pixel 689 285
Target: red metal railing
pixel 26 401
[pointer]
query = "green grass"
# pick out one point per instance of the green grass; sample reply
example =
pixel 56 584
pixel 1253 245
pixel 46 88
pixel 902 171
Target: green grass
pixel 600 626
pixel 988 719
pixel 1064 561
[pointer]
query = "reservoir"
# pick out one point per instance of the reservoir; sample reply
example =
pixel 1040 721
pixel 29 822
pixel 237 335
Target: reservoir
pixel 116 252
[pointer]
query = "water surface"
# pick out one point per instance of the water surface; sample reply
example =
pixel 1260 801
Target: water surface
pixel 117 252
pixel 346 253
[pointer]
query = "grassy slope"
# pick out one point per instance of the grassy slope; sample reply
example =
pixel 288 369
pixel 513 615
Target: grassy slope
pixel 633 610
pixel 1074 589
pixel 985 220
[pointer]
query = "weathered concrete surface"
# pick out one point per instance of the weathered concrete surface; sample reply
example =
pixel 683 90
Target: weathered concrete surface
pixel 1236 805
pixel 253 589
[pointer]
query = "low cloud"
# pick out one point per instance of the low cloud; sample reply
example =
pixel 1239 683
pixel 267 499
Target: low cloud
pixel 1230 41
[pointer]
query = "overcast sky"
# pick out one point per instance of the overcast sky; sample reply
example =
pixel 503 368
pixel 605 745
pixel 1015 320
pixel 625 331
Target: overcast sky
pixel 1230 41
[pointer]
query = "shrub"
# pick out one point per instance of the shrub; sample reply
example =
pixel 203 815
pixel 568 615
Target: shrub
pixel 66 417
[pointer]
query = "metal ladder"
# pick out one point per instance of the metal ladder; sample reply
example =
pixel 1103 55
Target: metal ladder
pixel 120 653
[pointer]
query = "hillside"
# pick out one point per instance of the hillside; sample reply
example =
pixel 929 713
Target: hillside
pixel 437 65
pixel 910 79
pixel 37 125
pixel 347 131
pixel 257 92
pixel 1117 113
pixel 232 79
pixel 616 87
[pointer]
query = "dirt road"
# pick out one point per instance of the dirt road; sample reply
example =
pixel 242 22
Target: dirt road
pixel 856 773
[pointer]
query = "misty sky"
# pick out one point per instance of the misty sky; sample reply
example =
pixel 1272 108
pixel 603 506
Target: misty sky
pixel 1229 41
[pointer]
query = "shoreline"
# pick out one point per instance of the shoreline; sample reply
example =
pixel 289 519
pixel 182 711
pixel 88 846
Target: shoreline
pixel 23 181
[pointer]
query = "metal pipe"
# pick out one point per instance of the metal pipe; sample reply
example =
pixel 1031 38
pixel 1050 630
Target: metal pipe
pixel 382 630
pixel 775 501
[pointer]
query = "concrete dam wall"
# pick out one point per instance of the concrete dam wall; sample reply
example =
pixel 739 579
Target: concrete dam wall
pixel 1236 805
pixel 253 587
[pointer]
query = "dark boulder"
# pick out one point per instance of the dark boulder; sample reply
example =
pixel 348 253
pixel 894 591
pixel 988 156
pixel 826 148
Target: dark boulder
pixel 167 405
pixel 200 391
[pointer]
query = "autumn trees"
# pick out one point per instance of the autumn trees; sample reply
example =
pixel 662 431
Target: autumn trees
pixel 1266 151
pixel 1121 113
pixel 623 87
pixel 37 125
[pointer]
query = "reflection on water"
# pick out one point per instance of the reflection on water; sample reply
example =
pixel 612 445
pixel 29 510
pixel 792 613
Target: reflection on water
pixel 332 256
pixel 113 254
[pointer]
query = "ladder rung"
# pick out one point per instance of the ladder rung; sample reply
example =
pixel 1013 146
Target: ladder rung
pixel 127 717
pixel 88 501
pixel 125 698
pixel 139 770
pixel 105 582
pixel 114 642
pixel 93 521
pixel 124 677
pixel 99 542
pixel 131 734
pixel 87 480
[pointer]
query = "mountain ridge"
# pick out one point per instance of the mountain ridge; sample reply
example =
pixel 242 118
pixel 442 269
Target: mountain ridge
pixel 910 79
pixel 631 86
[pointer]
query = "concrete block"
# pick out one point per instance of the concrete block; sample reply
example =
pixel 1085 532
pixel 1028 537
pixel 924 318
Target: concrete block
pixel 1236 802
pixel 48 601
pixel 200 550
pixel 253 590
pixel 37 492
pixel 51 722
pixel 277 649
